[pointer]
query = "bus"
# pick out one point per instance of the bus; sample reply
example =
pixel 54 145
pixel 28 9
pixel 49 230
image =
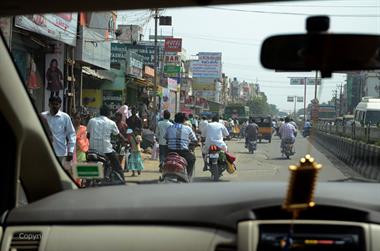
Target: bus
pixel 239 112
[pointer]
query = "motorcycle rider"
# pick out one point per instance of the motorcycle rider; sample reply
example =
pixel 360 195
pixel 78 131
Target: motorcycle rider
pixel 215 133
pixel 251 132
pixel 178 137
pixel 99 131
pixel 287 133
pixel 306 128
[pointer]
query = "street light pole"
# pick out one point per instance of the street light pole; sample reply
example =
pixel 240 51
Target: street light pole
pixel 155 62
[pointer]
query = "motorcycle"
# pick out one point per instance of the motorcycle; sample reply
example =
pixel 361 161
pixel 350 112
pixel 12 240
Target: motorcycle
pixel 111 177
pixel 287 149
pixel 306 132
pixel 252 144
pixel 174 169
pixel 216 162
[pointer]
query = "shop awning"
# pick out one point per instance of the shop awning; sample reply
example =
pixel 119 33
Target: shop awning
pixel 99 74
pixel 140 81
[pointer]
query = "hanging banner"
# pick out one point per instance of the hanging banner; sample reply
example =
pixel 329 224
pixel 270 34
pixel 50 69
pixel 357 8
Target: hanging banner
pixel 61 26
pixel 173 44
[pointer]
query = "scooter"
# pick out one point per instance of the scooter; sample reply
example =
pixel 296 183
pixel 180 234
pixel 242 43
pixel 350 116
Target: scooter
pixel 216 162
pixel 287 149
pixel 306 131
pixel 111 177
pixel 174 169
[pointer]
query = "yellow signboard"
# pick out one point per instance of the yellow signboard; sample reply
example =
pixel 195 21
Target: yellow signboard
pixel 95 96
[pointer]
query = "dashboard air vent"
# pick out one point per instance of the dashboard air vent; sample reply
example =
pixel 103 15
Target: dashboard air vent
pixel 29 241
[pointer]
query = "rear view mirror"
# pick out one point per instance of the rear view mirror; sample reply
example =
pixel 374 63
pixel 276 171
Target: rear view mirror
pixel 321 51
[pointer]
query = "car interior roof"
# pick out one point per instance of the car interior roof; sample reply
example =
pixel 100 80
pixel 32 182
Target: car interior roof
pixel 22 7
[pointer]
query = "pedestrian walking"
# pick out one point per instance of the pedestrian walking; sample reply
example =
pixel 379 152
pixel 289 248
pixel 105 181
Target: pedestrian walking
pixel 160 133
pixel 63 132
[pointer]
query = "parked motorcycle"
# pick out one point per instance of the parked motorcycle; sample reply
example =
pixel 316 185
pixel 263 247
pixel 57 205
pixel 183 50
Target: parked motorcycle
pixel 174 169
pixel 216 162
pixel 287 149
pixel 111 177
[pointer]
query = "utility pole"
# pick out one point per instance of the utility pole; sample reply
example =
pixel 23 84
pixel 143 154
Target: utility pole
pixel 155 62
pixel 340 98
pixel 335 94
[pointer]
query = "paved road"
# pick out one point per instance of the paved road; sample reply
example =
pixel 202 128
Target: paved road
pixel 266 164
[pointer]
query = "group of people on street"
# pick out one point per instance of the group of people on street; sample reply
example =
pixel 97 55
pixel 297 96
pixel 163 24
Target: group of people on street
pixel 177 136
pixel 72 139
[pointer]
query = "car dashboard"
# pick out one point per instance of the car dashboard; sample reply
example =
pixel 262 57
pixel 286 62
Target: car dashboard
pixel 208 217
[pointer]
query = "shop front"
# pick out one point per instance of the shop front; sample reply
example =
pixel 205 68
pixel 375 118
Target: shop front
pixel 40 54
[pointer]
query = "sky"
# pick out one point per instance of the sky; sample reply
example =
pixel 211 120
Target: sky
pixel 239 30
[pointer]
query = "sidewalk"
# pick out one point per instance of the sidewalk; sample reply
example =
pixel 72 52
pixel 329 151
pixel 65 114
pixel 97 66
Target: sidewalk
pixel 150 174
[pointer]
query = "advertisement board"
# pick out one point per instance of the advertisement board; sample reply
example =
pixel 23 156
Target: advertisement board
pixel 299 99
pixel 134 64
pixel 171 58
pixel 113 99
pixel 203 84
pixel 208 65
pixel 61 26
pixel 146 50
pixel 172 69
pixel 172 84
pixel 173 44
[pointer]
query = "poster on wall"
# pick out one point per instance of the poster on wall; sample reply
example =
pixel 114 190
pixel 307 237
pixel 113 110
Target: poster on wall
pixel 113 99
pixel 54 74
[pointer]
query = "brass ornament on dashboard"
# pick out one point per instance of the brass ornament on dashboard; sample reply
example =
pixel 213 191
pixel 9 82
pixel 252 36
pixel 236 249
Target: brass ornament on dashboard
pixel 302 181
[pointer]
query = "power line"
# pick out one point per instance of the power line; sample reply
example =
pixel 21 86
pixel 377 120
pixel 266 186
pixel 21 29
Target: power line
pixel 222 41
pixel 288 13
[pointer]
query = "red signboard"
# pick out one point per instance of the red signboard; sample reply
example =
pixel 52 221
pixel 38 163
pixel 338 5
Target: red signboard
pixel 173 44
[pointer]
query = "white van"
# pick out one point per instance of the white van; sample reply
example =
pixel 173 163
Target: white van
pixel 367 111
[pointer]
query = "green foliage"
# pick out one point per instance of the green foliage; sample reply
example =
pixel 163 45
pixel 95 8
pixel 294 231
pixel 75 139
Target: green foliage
pixel 259 105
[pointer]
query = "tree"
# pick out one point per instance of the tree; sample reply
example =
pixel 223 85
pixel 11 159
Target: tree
pixel 258 105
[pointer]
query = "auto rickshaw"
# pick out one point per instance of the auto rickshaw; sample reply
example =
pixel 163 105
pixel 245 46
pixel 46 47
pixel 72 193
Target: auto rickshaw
pixel 265 127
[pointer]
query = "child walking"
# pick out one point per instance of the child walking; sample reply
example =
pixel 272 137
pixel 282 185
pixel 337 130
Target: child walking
pixel 135 162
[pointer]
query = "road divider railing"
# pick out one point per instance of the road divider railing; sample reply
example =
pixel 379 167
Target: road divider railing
pixel 362 157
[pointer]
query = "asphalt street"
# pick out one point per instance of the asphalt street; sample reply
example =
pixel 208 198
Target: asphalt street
pixel 266 164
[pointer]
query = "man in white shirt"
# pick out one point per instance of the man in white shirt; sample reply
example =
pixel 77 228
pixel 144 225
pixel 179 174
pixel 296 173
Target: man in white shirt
pixel 215 132
pixel 160 133
pixel 202 127
pixel 287 133
pixel 62 130
pixel 99 131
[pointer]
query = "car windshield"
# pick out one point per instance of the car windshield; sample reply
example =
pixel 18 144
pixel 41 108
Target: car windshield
pixel 168 95
pixel 373 117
